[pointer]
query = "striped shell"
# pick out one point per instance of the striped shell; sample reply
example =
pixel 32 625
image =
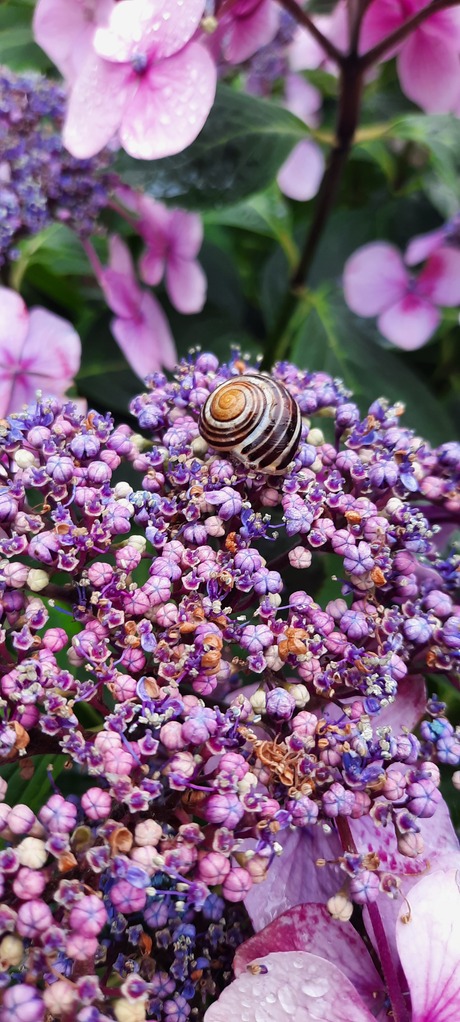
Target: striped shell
pixel 256 419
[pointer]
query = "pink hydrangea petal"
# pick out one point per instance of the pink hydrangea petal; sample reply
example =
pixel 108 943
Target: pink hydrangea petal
pixel 291 984
pixel 293 878
pixel 440 278
pixel 428 71
pixel 243 36
pixel 24 386
pixel 146 342
pixel 311 928
pixel 14 324
pixel 380 20
pixel 157 27
pixel 421 247
pixel 304 53
pixel 428 941
pixel 170 106
pixel 441 851
pixel 52 347
pixel 300 176
pixel 186 285
pixel 374 278
pixel 185 233
pixel 96 106
pixel 151 266
pixel 121 296
pixel 65 31
pixel 120 257
pixel 410 322
pixel 302 99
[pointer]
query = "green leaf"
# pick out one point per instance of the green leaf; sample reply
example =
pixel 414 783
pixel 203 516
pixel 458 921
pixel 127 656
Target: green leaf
pixel 440 134
pixel 238 152
pixel 34 791
pixel 333 340
pixel 17 48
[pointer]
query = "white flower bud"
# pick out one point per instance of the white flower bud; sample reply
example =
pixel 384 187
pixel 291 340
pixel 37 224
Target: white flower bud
pixel 121 490
pixel 139 542
pixel 340 907
pixel 456 779
pixel 32 853
pixel 24 459
pixel 258 701
pixel 11 951
pixel 130 1011
pixel 315 437
pixel 247 782
pixel 37 579
pixel 300 695
pixel 60 997
pixel 274 661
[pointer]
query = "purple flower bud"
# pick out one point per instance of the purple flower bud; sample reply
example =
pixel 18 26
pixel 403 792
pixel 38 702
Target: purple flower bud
pixel 61 468
pixel 226 809
pixel 8 506
pixel 423 798
pixel 365 888
pixel 304 811
pixel 34 917
pixel 237 884
pixel 337 801
pixel 22 1003
pixel 58 815
pixel 127 898
pixel 280 705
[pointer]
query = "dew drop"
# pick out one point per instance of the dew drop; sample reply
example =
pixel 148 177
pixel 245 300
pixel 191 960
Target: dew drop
pixel 287 1001
pixel 317 987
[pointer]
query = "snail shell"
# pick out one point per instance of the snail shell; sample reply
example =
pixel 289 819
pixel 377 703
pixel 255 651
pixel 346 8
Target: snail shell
pixel 256 419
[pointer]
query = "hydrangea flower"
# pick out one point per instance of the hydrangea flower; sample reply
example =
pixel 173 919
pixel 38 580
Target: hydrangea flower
pixel 240 731
pixel 427 59
pixel 173 239
pixel 140 326
pixel 38 351
pixel 146 81
pixel 377 283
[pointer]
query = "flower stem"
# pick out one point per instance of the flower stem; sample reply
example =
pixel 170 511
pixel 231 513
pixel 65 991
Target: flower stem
pixel 347 122
pixel 304 19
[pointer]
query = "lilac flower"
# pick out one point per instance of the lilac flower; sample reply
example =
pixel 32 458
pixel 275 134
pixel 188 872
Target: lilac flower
pixel 65 31
pixel 146 79
pixel 376 283
pixel 244 28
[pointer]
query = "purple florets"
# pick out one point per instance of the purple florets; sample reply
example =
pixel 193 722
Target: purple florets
pixel 40 182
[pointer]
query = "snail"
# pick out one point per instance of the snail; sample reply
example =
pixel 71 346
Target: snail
pixel 254 418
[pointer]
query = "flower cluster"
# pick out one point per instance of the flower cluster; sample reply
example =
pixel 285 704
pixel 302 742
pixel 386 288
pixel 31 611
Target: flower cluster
pixel 40 182
pixel 164 635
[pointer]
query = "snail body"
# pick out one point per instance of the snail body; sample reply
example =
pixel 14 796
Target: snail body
pixel 256 419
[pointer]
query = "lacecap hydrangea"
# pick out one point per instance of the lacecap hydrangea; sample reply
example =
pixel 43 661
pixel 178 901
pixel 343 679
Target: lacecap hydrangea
pixel 221 659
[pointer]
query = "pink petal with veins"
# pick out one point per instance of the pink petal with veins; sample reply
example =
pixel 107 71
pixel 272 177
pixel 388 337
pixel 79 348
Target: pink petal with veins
pixel 428 941
pixel 290 984
pixel 96 105
pixel 310 928
pixel 155 27
pixel 410 322
pixel 374 278
pixel 14 324
pixel 170 105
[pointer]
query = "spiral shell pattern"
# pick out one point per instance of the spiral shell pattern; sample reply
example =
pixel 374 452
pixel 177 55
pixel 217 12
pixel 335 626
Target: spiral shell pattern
pixel 256 419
